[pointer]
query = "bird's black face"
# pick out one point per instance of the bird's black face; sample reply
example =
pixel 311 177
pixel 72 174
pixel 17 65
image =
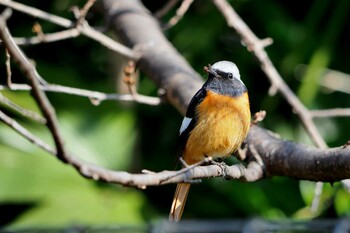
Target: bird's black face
pixel 221 74
pixel 225 83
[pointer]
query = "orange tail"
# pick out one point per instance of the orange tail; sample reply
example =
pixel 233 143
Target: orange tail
pixel 179 201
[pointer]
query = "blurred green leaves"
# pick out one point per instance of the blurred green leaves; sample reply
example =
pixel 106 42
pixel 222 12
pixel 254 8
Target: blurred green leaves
pixel 107 140
pixel 60 196
pixel 56 192
pixel 323 54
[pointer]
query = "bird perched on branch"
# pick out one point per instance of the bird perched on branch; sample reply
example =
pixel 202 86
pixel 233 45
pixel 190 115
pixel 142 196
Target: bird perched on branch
pixel 216 123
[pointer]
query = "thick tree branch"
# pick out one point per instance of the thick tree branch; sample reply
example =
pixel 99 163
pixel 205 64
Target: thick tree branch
pixel 286 158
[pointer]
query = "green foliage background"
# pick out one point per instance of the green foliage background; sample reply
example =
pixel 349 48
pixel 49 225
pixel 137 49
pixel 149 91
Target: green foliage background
pixel 37 190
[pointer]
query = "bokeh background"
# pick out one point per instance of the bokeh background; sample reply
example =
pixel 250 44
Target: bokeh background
pixel 311 51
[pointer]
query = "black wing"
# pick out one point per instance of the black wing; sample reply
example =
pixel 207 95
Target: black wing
pixel 191 113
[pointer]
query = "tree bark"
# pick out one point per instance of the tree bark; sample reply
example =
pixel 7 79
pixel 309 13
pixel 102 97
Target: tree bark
pixel 286 158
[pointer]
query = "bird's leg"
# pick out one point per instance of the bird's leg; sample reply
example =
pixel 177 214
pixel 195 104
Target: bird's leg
pixel 219 162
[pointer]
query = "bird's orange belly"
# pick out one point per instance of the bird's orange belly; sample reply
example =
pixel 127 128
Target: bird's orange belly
pixel 222 125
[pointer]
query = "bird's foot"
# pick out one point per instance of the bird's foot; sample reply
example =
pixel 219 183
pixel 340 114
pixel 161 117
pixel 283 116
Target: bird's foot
pixel 223 167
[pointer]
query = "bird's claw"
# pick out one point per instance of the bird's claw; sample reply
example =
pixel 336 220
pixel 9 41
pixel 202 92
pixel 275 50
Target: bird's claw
pixel 223 167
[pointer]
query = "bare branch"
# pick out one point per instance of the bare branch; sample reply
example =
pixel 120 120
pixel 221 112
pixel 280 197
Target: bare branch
pixel 317 197
pixel 33 78
pixel 8 68
pixel 38 13
pixel 84 10
pixel 25 133
pixel 95 96
pixel 49 37
pixel 286 158
pixel 139 180
pixel 24 112
pixel 335 112
pixel 85 29
pixel 166 8
pixel 187 168
pixel 179 13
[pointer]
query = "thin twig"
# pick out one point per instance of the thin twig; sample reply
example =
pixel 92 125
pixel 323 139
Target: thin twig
pixel 166 8
pixel 24 112
pixel 186 169
pixel 26 134
pixel 336 81
pixel 317 197
pixel 185 5
pixel 48 37
pixel 94 96
pixel 85 29
pixel 335 112
pixel 33 78
pixel 8 68
pixel 84 11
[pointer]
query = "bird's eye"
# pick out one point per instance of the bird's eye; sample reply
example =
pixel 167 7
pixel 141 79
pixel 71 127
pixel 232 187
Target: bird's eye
pixel 230 75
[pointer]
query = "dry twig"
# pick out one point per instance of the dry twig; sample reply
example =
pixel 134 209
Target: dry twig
pixel 166 8
pixel 83 12
pixel 94 96
pixel 85 30
pixel 179 13
pixel 24 112
pixel 26 134
pixel 335 112
pixel 8 68
pixel 48 37
pixel 33 78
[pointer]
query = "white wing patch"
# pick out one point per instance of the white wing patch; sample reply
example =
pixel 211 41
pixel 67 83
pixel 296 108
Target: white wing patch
pixel 185 122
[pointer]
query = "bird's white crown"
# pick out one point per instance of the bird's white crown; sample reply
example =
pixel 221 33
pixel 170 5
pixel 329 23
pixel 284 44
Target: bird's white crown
pixel 227 67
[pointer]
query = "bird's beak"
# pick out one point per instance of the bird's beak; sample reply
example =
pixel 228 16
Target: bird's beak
pixel 212 72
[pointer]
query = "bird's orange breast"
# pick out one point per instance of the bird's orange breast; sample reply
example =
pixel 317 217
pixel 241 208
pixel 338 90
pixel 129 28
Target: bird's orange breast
pixel 222 125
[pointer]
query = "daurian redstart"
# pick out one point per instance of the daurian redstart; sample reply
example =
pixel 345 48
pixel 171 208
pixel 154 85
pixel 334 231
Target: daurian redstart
pixel 216 123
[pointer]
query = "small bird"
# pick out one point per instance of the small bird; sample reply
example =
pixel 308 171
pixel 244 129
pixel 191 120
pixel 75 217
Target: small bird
pixel 216 123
